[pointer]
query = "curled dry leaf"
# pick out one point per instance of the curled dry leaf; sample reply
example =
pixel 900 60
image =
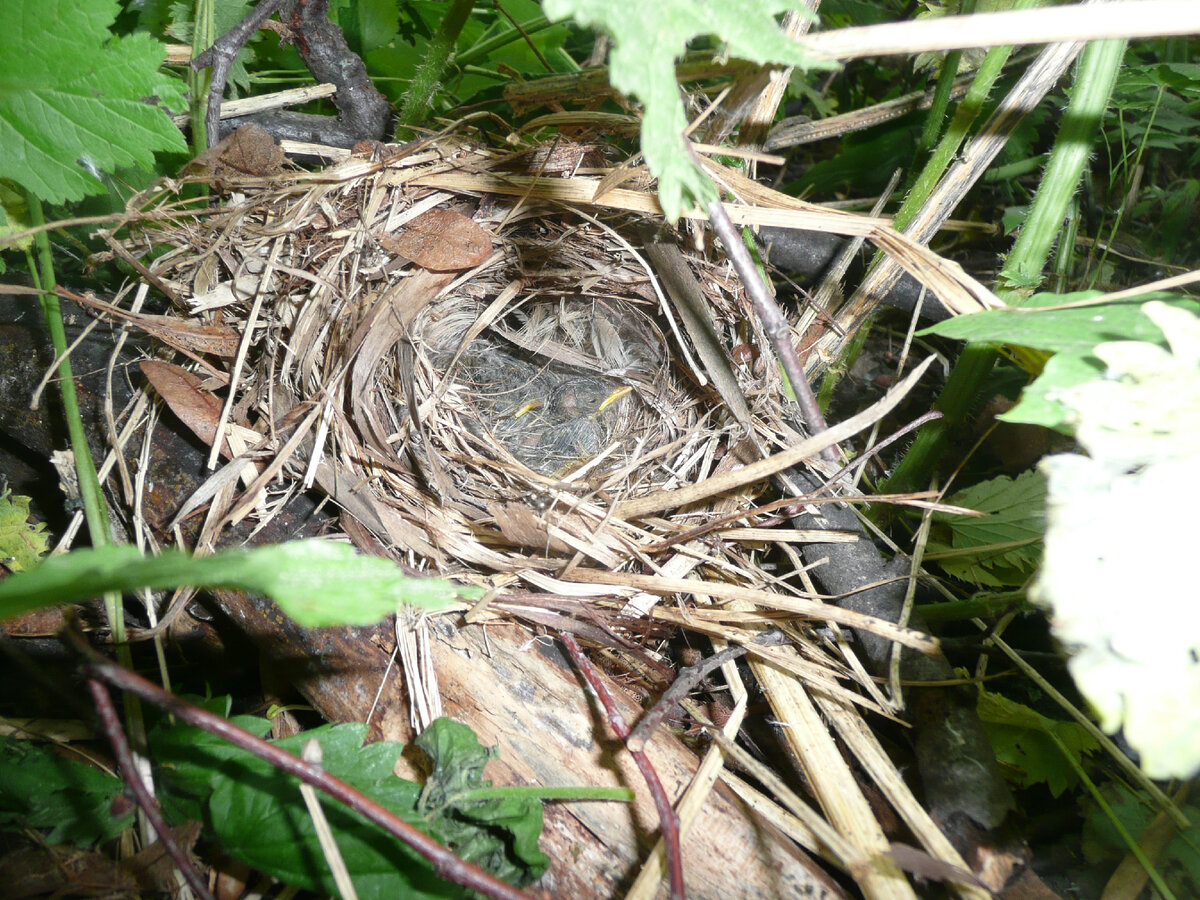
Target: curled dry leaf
pixel 441 240
pixel 180 389
pixel 249 151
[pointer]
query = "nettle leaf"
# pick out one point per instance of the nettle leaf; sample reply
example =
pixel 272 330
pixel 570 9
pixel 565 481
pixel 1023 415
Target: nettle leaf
pixel 648 38
pixel 1138 665
pixel 316 582
pixel 1015 516
pixel 41 788
pixel 75 100
pixel 260 817
pixel 1032 747
pixel 22 544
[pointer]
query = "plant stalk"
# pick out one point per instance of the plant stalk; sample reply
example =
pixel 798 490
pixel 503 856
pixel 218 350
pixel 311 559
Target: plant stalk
pixel 418 99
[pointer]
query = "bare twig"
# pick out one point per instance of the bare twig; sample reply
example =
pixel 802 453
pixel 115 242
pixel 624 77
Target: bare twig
pixel 684 682
pixel 123 753
pixel 445 863
pixel 774 323
pixel 220 57
pixel 682 686
pixel 666 814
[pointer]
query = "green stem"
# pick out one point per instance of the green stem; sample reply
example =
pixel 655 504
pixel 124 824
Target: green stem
pixel 940 101
pixel 89 485
pixel 1130 842
pixel 1095 75
pixel 203 35
pixel 418 99
pixel 95 510
pixel 947 148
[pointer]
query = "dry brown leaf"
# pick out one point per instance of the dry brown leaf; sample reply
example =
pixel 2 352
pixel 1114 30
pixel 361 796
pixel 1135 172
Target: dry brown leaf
pixel 441 240
pixel 249 151
pixel 196 408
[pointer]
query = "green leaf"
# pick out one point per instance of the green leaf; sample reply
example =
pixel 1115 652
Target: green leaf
pixel 1075 331
pixel 1024 744
pixel 191 762
pixel 22 544
pixel 258 815
pixel 480 830
pixel 1103 845
pixel 316 582
pixel 42 788
pixel 648 38
pixel 181 25
pixel 1119 543
pixel 1072 334
pixel 367 24
pixel 1015 515
pixel 75 100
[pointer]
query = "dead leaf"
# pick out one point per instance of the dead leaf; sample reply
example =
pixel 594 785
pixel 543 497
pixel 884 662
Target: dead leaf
pixel 196 408
pixel 63 871
pixel 248 151
pixel 441 240
pixel 182 334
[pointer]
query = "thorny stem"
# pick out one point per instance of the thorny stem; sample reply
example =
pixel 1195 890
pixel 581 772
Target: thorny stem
pixel 666 814
pixel 445 863
pixel 773 321
pixel 123 753
pixel 418 99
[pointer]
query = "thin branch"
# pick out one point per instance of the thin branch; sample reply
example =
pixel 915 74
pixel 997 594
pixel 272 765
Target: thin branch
pixel 445 863
pixel 683 684
pixel 666 814
pixel 121 750
pixel 220 57
pixel 773 321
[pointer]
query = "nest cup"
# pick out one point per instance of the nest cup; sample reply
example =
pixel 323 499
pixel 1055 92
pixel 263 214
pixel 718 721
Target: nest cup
pixel 553 384
pixel 477 420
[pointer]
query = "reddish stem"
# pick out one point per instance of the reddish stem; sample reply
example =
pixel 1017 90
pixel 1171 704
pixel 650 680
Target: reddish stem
pixel 666 814
pixel 124 755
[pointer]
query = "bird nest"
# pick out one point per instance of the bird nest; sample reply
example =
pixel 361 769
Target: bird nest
pixel 479 379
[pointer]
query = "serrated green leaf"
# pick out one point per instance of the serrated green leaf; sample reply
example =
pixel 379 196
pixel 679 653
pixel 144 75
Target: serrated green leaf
pixel 73 98
pixel 316 582
pixel 22 544
pixel 648 38
pixel 1015 515
pixel 41 788
pixel 258 815
pixel 481 831
pixel 1022 739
